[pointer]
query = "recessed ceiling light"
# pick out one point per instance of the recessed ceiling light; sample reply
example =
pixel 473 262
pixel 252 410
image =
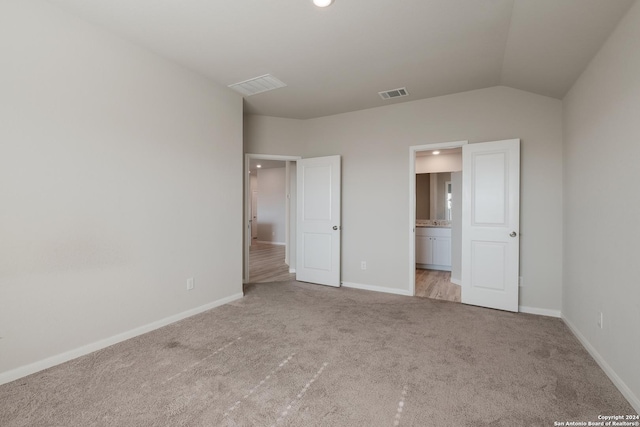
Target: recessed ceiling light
pixel 258 166
pixel 322 3
pixel 435 153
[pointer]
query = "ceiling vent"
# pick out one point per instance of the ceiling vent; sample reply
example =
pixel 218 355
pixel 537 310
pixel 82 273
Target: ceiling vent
pixel 257 85
pixel 394 93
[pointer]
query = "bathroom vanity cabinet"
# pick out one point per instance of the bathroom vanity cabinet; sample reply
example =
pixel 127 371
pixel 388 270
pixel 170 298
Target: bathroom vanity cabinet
pixel 433 248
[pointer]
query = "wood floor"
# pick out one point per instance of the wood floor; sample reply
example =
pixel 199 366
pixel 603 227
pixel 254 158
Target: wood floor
pixel 266 264
pixel 436 284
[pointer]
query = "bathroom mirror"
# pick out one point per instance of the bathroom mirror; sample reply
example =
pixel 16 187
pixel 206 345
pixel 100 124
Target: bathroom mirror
pixel 433 196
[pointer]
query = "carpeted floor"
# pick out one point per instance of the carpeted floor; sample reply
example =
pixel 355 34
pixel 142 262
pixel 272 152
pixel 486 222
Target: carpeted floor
pixel 294 354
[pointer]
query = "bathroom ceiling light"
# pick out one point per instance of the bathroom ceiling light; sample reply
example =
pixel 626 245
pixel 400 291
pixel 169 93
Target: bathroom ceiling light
pixel 322 3
pixel 435 153
pixel 258 166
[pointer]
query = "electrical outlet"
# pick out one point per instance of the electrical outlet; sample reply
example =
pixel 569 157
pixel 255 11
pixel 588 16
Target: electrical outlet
pixel 363 265
pixel 190 283
pixel 601 321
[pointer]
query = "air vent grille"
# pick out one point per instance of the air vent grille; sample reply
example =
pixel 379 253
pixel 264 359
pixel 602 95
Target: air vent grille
pixel 394 93
pixel 257 85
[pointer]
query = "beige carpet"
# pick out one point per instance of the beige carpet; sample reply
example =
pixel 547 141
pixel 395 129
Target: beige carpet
pixel 292 354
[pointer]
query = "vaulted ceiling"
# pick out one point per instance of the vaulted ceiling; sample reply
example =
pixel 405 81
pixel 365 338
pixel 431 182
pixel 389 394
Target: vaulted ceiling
pixel 337 59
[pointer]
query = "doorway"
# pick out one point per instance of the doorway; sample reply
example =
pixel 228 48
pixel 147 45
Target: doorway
pixel 312 217
pixel 269 232
pixel 433 281
pixel 438 184
pixel 489 238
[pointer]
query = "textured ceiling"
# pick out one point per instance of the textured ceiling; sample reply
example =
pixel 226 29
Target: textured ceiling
pixel 337 59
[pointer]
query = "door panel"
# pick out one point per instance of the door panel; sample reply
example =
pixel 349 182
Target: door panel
pixel 318 225
pixel 487 262
pixel 490 224
pixel 488 178
pixel 318 253
pixel 317 186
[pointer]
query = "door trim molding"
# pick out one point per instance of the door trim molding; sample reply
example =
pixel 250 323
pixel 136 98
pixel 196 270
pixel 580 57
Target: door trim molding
pixel 246 227
pixel 412 202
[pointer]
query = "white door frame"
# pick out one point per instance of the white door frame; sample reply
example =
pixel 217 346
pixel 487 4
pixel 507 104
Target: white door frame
pixel 246 226
pixel 412 202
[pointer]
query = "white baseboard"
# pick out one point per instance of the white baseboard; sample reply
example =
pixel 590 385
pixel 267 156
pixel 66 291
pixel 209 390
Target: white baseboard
pixel 32 368
pixel 615 379
pixel 434 267
pixel 377 289
pixel 292 270
pixel 264 242
pixel 539 311
pixel 456 281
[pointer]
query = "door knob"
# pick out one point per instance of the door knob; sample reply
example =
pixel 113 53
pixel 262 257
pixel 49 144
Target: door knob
pixel 335 227
pixel 513 234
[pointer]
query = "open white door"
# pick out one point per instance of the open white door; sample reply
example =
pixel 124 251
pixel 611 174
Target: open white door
pixel 490 224
pixel 318 224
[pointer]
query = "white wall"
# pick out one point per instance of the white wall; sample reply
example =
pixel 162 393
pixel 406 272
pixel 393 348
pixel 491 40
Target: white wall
pixel 271 205
pixel 602 208
pixel 374 145
pixel 263 133
pixel 440 163
pixel 120 177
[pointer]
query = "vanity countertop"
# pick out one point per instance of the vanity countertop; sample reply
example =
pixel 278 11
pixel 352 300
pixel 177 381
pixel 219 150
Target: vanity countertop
pixel 433 223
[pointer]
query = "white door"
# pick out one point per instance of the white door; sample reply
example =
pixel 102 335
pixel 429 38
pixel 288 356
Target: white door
pixel 490 224
pixel 318 224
